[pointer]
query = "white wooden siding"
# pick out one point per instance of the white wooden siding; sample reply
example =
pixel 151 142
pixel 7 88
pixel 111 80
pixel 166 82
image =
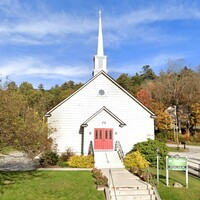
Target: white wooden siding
pixel 68 117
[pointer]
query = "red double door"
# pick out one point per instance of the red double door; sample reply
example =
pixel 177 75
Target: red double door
pixel 103 138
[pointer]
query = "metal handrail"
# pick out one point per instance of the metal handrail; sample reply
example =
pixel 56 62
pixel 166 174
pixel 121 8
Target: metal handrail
pixel 150 181
pixel 119 149
pixel 91 149
pixel 112 184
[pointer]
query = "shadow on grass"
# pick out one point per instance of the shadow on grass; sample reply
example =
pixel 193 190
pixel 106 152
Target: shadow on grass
pixel 18 175
pixel 13 177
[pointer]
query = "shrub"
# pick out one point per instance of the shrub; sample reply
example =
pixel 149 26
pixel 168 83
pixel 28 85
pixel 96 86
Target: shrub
pixel 142 174
pixel 62 163
pixel 148 150
pixel 66 155
pixel 134 169
pixel 81 161
pixel 49 158
pixel 100 179
pixel 194 139
pixel 161 137
pixel 96 172
pixel 135 159
pixel 164 136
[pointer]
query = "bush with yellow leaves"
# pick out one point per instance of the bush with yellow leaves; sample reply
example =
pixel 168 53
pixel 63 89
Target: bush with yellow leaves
pixel 135 159
pixel 81 161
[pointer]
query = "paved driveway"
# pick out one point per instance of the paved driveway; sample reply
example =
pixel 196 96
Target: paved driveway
pixel 192 153
pixel 16 161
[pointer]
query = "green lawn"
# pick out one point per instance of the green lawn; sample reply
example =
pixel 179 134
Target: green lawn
pixel 50 185
pixel 174 149
pixel 171 193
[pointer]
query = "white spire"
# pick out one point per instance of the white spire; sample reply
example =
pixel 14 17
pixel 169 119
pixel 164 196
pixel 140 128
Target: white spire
pixel 100 38
pixel 100 61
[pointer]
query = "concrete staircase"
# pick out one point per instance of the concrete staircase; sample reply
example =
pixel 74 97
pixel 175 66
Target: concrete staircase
pixel 124 186
pixel 107 160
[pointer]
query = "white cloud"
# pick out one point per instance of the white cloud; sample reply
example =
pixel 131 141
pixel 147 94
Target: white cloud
pixel 39 24
pixel 139 24
pixel 152 14
pixel 34 66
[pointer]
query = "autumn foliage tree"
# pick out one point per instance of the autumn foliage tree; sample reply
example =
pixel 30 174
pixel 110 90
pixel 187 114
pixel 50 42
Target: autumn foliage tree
pixel 177 86
pixel 21 126
pixel 22 108
pixel 195 116
pixel 144 97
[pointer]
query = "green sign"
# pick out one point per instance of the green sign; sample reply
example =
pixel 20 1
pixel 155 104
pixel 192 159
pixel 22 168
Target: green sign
pixel 177 163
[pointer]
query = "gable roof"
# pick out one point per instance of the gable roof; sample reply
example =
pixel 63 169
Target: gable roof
pixel 121 123
pixel 48 114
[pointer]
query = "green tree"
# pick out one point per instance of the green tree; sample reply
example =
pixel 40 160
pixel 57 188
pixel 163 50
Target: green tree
pixel 147 73
pixel 148 150
pixel 21 126
pixel 125 81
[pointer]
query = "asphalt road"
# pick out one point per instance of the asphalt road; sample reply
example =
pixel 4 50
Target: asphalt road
pixel 192 153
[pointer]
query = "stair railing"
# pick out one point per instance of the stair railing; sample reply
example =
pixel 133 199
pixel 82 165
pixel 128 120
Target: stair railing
pixel 111 184
pixel 91 149
pixel 119 150
pixel 151 182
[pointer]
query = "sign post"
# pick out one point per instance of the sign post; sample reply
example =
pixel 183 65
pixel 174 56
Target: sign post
pixel 167 172
pixel 176 163
pixel 157 162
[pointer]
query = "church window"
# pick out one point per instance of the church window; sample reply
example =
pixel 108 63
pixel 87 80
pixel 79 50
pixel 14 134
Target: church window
pixel 100 134
pixel 106 134
pixel 110 134
pixel 96 134
pixel 101 92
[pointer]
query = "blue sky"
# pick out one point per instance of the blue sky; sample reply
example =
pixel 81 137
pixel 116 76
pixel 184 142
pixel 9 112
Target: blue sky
pixel 53 41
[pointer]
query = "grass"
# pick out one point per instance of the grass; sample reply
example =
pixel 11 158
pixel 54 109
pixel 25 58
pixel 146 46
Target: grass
pixel 7 150
pixel 166 193
pixel 193 143
pixel 175 149
pixel 50 185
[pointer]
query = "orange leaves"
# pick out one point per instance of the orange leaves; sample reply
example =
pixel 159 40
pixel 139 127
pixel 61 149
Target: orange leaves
pixel 144 97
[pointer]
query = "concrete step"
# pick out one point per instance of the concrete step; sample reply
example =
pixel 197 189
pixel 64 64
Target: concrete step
pixel 132 184
pixel 128 186
pixel 135 197
pixel 100 166
pixel 131 192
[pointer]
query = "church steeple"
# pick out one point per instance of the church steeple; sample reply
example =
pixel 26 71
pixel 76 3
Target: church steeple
pixel 100 60
pixel 100 38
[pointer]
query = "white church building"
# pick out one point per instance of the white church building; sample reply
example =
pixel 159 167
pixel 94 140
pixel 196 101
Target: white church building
pixel 100 114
